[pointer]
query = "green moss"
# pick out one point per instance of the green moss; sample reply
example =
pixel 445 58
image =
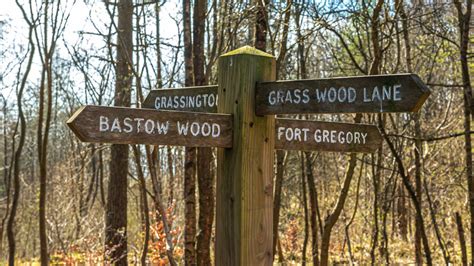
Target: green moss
pixel 249 50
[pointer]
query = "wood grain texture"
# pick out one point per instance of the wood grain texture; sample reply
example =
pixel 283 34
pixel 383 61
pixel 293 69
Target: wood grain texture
pixel 245 172
pixel 363 94
pixel 144 126
pixel 292 134
pixel 192 99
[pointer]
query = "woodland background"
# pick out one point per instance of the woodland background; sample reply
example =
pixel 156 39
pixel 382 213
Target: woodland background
pixel 410 202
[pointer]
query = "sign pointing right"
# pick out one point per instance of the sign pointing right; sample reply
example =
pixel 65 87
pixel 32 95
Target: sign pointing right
pixel 363 94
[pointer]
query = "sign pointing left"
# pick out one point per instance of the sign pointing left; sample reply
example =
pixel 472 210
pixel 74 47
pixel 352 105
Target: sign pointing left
pixel 122 125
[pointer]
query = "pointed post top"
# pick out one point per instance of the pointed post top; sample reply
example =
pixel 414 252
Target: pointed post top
pixel 248 50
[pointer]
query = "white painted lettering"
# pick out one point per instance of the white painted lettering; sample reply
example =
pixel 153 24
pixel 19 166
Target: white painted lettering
pixel 212 100
pixel 198 100
pixel 349 137
pixel 103 123
pixel 289 134
pixel 356 137
pixel 116 126
pixel 351 95
pixel 364 137
pixel 297 134
pixel 297 96
pixel 288 98
pixel 325 135
pixel 305 133
pixel 128 127
pixel 149 126
pixel 216 130
pixel 342 94
pixel 332 95
pixel 162 127
pixel 272 98
pixel 376 94
pixel 206 132
pixel 305 96
pixel 280 132
pixel 341 137
pixel 396 92
pixel 317 135
pixel 195 128
pixel 183 128
pixel 365 96
pixel 333 136
pixel 138 120
pixel 321 96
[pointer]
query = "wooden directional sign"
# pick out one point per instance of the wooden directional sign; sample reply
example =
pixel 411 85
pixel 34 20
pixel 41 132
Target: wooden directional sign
pixel 144 126
pixel 291 134
pixel 364 94
pixel 195 99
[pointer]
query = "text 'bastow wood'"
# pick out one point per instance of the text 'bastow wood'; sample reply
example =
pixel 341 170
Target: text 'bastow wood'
pixel 144 126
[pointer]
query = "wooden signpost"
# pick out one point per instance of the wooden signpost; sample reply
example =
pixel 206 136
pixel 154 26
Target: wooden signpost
pixel 143 126
pixel 365 94
pixel 248 133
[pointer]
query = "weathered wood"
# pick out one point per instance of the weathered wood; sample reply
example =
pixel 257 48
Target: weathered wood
pixel 144 126
pixel 193 99
pixel 291 134
pixel 245 172
pixel 364 94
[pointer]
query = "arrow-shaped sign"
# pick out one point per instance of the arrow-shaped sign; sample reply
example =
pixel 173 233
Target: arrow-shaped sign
pixel 291 134
pixel 195 99
pixel 364 94
pixel 145 126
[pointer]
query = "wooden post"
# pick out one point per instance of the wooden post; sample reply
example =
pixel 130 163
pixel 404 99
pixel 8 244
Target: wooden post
pixel 245 172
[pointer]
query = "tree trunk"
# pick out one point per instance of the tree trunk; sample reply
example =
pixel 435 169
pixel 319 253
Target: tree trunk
pixel 261 24
pixel 204 160
pixel 314 207
pixel 280 163
pixel 464 23
pixel 116 206
pixel 305 208
pixel 145 213
pixel 190 153
pixel 17 155
pixel 462 240
pixel 412 194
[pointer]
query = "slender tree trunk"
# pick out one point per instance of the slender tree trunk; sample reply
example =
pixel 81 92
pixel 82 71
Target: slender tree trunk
pixel 412 194
pixel 280 154
pixel 305 208
pixel 171 180
pixel 462 240
pixel 146 215
pixel 159 78
pixel 190 152
pixel 280 163
pixel 116 206
pixel 314 207
pixel 44 120
pixel 261 24
pixel 17 155
pixel 464 23
pixel 331 220
pixel 376 184
pixel 204 157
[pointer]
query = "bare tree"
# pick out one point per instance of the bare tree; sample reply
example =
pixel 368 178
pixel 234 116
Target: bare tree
pixel 116 206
